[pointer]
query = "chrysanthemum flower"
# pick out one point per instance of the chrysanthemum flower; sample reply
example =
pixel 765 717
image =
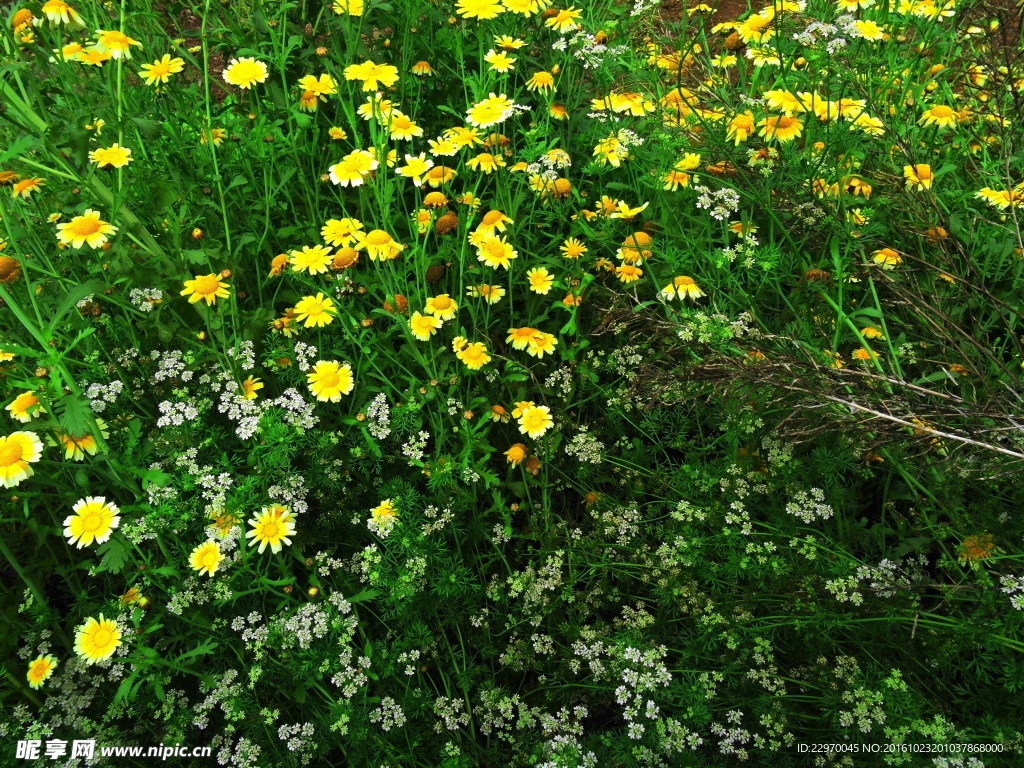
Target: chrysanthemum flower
pixel 918 177
pixel 205 558
pixel 337 134
pixel 540 344
pixel 415 168
pixel 340 231
pixel 491 111
pixel 780 128
pixel 218 136
pixel 941 116
pixel 741 127
pixel 870 332
pixel 520 337
pixel 423 326
pixel 402 127
pixel 87 228
pixel 378 244
pixel 114 156
pixel 785 102
pixel 250 387
pixel 887 258
pixel 372 74
pixel 435 200
pixel 540 280
pixel 564 21
pixel 384 515
pixel 209 287
pixel 353 168
pixel 439 175
pixel 245 72
pixel 541 81
pixel 273 525
pixel 312 260
pixel 317 311
pixel 486 162
pixel 40 669
pixel 494 221
pixel 442 306
pixel 321 86
pixel 25 407
pixel 474 355
pixel 117 44
pixel 422 68
pixel 161 69
pixel 94 57
pixel 684 287
pixel 344 258
pixel 97 639
pixel 516 454
pixel 59 12
pixel 492 294
pixel 77 446
pixel 525 7
pixel 479 9
pixel 869 30
pixel 351 7
pixel 627 273
pixel 93 520
pixel 535 421
pixel 496 252
pixel 329 380
pixel 572 248
pixel 499 61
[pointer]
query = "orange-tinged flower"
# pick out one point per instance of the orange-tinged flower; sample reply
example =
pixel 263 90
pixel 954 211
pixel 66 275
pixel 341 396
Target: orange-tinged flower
pixel 918 177
pixel 209 287
pixel 117 44
pixel 26 187
pixel 87 228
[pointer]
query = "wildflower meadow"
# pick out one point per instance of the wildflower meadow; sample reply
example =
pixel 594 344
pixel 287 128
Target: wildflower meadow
pixel 418 383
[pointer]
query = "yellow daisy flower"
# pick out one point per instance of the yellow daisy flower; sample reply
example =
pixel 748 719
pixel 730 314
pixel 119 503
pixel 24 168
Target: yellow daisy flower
pixel 97 639
pixel 205 558
pixel 273 525
pixel 245 72
pixel 316 311
pixel 39 670
pixel 93 520
pixel 208 287
pixel 329 380
pixel 17 451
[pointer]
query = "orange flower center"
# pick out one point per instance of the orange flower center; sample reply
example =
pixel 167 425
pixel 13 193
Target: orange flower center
pixel 271 530
pixel 378 237
pixel 442 303
pixel 330 379
pixel 84 227
pixel 492 218
pixel 10 453
pixel 204 285
pixel 92 520
pixel 495 250
pixel 942 111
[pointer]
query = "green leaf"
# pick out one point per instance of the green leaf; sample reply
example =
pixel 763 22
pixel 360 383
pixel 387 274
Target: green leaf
pixel 19 147
pixel 74 296
pixel 74 414
pixel 115 555
pixel 149 129
pixel 364 596
pixel 195 256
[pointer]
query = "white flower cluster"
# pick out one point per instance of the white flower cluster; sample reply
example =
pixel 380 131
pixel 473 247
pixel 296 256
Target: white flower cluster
pixel 560 379
pixel 244 412
pixel 440 519
pixel 866 711
pixel 389 714
pixel 245 755
pixel 291 492
pixel 721 204
pixel 227 693
pixel 187 596
pixel 621 522
pixel 102 395
pixel 587 50
pixel 303 354
pixel 532 585
pixel 171 366
pixel 409 659
pixel 585 447
pixel 256 635
pixel 176 414
pixel 1014 586
pixel 145 299
pixel 297 412
pixel 415 448
pixel 809 506
pixel 246 354
pixel 378 415
pixel 352 677
pixel 298 738
pixel 641 672
pixel 451 713
pixel 885 579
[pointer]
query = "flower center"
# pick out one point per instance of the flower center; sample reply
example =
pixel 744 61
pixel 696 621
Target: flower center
pixel 85 227
pixel 210 559
pixel 92 520
pixel 10 453
pixel 942 111
pixel 378 237
pixel 271 531
pixel 495 250
pixel 442 303
pixel 102 637
pixel 493 217
pixel 206 284
pixel 330 379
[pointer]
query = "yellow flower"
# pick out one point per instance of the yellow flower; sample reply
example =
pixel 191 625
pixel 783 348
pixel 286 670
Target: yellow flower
pixel 384 512
pixel 887 258
pixel 627 273
pixel 785 102
pixel 918 176
pixel 329 380
pixel 564 21
pixel 442 306
pixel 26 187
pixel 94 57
pixel 209 287
pixel 496 252
pixel 780 128
pixel 39 670
pixel 491 111
pixel 492 294
pixel 94 519
pixel 521 337
pixel 313 260
pixel 499 61
pixel 317 311
pixel 402 127
pixel 540 344
pixel 160 70
pixel 541 81
pixel 17 451
pixel 869 30
pixel 97 639
pixel 337 134
pixel 423 326
pixel 218 136
pixel 117 44
pixel 535 421
pixel 516 454
pixel 372 74
pixel 941 116
pixel 572 248
pixel 76 446
pixel 353 168
pixel 684 287
pixel 59 12
pixel 341 232
pixel 422 68
pixel 479 9
pixel 378 244
pixel 205 558
pixel 25 407
pixel 245 72
pixel 741 127
pixel 415 167
pixel 114 156
pixel 540 280
pixel 871 332
pixel 250 386
pixel 87 228
pixel 273 525
pixel 351 7
pixel 474 355
pixel 486 162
